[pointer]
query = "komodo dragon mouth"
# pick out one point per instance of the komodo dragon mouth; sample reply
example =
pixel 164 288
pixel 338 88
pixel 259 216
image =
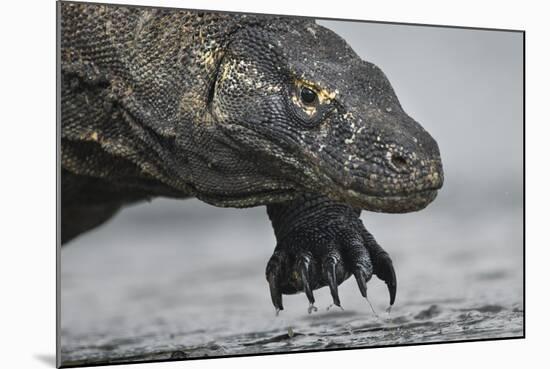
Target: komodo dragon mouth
pixel 392 203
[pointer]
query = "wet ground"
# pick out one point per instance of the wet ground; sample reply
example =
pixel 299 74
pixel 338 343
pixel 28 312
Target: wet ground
pixel 173 280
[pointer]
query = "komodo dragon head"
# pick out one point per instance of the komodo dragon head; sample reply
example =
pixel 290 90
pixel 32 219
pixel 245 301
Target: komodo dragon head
pixel 298 110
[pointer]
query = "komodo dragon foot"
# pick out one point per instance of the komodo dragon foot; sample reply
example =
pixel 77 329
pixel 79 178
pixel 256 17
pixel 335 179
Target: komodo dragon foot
pixel 320 243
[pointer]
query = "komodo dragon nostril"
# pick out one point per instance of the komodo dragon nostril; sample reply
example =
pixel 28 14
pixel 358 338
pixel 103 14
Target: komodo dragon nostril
pixel 398 161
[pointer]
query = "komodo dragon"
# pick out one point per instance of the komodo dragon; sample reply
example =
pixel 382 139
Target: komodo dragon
pixel 238 111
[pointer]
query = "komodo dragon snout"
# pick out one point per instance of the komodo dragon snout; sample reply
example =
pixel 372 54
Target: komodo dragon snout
pixel 301 98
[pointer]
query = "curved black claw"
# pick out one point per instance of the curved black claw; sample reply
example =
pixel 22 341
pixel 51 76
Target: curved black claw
pixel 384 270
pixel 272 275
pixel 303 266
pixel 330 267
pixel 361 278
pixel 383 266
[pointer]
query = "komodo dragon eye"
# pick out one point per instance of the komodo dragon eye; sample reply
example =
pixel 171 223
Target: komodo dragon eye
pixel 308 96
pixel 310 104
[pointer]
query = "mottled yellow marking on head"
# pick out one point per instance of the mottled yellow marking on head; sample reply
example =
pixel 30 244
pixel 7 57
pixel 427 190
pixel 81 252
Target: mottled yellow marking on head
pixel 273 88
pixel 208 58
pixel 348 115
pixel 225 72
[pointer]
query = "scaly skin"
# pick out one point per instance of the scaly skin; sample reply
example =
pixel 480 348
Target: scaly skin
pixel 240 111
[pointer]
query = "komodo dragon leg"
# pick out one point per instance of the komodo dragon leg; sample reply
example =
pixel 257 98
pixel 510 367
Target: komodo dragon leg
pixel 320 243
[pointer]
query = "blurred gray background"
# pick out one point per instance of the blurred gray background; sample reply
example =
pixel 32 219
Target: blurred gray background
pixel 184 276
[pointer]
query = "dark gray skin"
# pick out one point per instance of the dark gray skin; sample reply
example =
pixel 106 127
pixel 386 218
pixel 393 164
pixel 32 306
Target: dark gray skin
pixel 240 111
